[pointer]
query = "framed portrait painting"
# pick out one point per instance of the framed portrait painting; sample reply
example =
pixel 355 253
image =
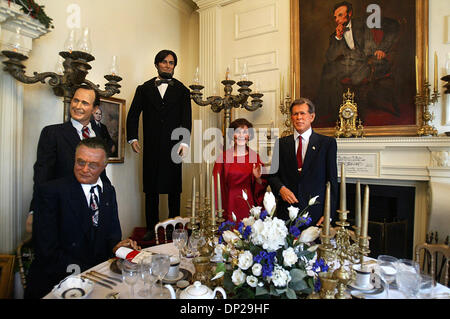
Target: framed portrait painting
pixel 111 119
pixel 368 47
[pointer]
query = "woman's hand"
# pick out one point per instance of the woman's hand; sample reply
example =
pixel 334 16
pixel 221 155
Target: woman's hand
pixel 257 172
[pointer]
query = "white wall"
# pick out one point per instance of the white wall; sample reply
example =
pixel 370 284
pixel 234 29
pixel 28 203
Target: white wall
pixel 134 31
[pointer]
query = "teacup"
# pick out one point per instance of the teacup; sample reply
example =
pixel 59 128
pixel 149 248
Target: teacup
pixel 362 276
pixel 174 269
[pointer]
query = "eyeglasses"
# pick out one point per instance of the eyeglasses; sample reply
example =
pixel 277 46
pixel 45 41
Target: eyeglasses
pixel 91 165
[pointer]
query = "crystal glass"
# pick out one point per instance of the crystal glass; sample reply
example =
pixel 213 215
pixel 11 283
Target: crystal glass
pixel 408 283
pixel 426 287
pixel 147 277
pixel 84 44
pixel 194 243
pixel 160 267
pixel 130 274
pixel 180 238
pixel 387 266
pixel 408 265
pixel 69 44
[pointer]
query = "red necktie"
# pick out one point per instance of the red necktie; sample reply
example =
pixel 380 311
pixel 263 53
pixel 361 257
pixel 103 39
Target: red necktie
pixel 299 153
pixel 85 131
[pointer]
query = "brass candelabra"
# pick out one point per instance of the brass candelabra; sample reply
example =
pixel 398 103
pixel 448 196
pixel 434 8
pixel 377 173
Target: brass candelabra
pixel 423 100
pixel 76 67
pixel 345 251
pixel 228 101
pixel 285 111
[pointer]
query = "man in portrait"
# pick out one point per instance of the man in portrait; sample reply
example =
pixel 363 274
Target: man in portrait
pixel 104 133
pixel 358 57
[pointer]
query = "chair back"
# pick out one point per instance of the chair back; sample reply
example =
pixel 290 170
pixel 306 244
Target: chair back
pixel 173 222
pixel 435 261
pixel 6 276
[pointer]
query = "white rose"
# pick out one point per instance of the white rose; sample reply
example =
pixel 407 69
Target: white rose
pixel 257 270
pixel 256 211
pixel 289 257
pixel 245 260
pixel 269 203
pixel 293 212
pixel 238 277
pixel 280 276
pixel 312 201
pixel 309 235
pixel 252 281
pixel 230 237
pixel 249 221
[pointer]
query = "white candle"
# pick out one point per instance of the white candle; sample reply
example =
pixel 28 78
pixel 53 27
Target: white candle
pixel 343 190
pixel 207 179
pixel 326 212
pixel 201 195
pixel 213 206
pixel 426 64
pixel 219 196
pixel 435 72
pixel 193 197
pixel 365 213
pixel 358 205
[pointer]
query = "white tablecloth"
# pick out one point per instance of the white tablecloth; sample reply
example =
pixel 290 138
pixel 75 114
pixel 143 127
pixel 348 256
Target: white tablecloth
pixel 101 292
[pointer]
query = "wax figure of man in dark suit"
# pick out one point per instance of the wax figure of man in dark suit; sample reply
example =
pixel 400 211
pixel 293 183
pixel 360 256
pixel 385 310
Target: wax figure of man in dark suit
pixel 57 143
pixel 165 104
pixel 295 181
pixel 103 129
pixel 76 221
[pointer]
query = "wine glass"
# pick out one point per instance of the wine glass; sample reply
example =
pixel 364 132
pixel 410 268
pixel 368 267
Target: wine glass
pixel 408 277
pixel 179 238
pixel 130 273
pixel 147 276
pixel 388 270
pixel 160 267
pixel 195 242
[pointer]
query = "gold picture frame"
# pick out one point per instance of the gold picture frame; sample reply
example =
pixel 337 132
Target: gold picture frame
pixel 421 37
pixel 113 117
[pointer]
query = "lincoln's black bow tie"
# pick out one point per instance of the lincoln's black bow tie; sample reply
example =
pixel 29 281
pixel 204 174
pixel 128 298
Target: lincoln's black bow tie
pixel 158 82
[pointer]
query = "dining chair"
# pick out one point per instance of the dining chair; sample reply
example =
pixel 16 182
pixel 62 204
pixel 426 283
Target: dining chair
pixel 24 255
pixel 6 276
pixel 173 222
pixel 435 259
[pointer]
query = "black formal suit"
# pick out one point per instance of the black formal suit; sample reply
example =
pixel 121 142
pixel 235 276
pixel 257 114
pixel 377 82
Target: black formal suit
pixel 63 233
pixel 319 167
pixel 56 154
pixel 104 133
pixel 161 175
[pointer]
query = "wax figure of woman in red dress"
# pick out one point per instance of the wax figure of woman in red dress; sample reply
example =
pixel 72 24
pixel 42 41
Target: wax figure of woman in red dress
pixel 239 169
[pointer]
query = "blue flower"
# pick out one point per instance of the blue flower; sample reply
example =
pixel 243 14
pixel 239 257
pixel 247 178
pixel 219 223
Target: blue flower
pixel 317 285
pixel 267 262
pixel 320 266
pixel 227 225
pixel 244 230
pixel 294 231
pixel 263 215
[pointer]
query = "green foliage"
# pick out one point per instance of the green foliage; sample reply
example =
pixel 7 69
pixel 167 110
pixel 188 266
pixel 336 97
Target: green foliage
pixel 35 11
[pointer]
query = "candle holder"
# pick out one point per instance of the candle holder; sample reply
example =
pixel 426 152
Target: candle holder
pixel 76 67
pixel 229 101
pixel 423 100
pixel 285 111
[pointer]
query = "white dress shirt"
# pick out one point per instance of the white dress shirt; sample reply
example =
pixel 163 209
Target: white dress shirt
pixel 87 190
pixel 305 141
pixel 78 126
pixel 348 36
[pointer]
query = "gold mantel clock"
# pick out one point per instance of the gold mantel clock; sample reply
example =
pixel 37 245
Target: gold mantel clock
pixel 348 117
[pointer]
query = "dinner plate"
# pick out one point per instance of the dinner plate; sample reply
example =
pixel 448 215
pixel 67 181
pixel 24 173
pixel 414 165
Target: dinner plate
pixel 73 287
pixel 369 287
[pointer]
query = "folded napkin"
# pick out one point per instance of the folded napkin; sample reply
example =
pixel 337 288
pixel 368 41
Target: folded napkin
pixel 134 256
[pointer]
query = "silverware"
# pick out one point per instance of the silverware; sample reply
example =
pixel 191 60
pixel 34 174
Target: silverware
pixel 101 278
pixel 96 281
pixel 106 276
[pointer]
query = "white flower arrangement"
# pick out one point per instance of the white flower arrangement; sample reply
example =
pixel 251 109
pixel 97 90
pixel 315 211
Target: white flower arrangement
pixel 270 257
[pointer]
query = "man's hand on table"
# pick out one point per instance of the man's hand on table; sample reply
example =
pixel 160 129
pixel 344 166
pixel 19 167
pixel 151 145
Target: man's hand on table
pixel 127 243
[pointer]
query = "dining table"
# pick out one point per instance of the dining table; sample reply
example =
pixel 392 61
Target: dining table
pixel 120 290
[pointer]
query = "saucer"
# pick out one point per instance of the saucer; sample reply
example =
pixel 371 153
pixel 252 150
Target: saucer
pixel 368 287
pixel 73 287
pixel 184 274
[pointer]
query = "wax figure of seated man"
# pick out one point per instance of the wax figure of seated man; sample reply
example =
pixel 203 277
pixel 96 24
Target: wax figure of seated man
pixel 76 221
